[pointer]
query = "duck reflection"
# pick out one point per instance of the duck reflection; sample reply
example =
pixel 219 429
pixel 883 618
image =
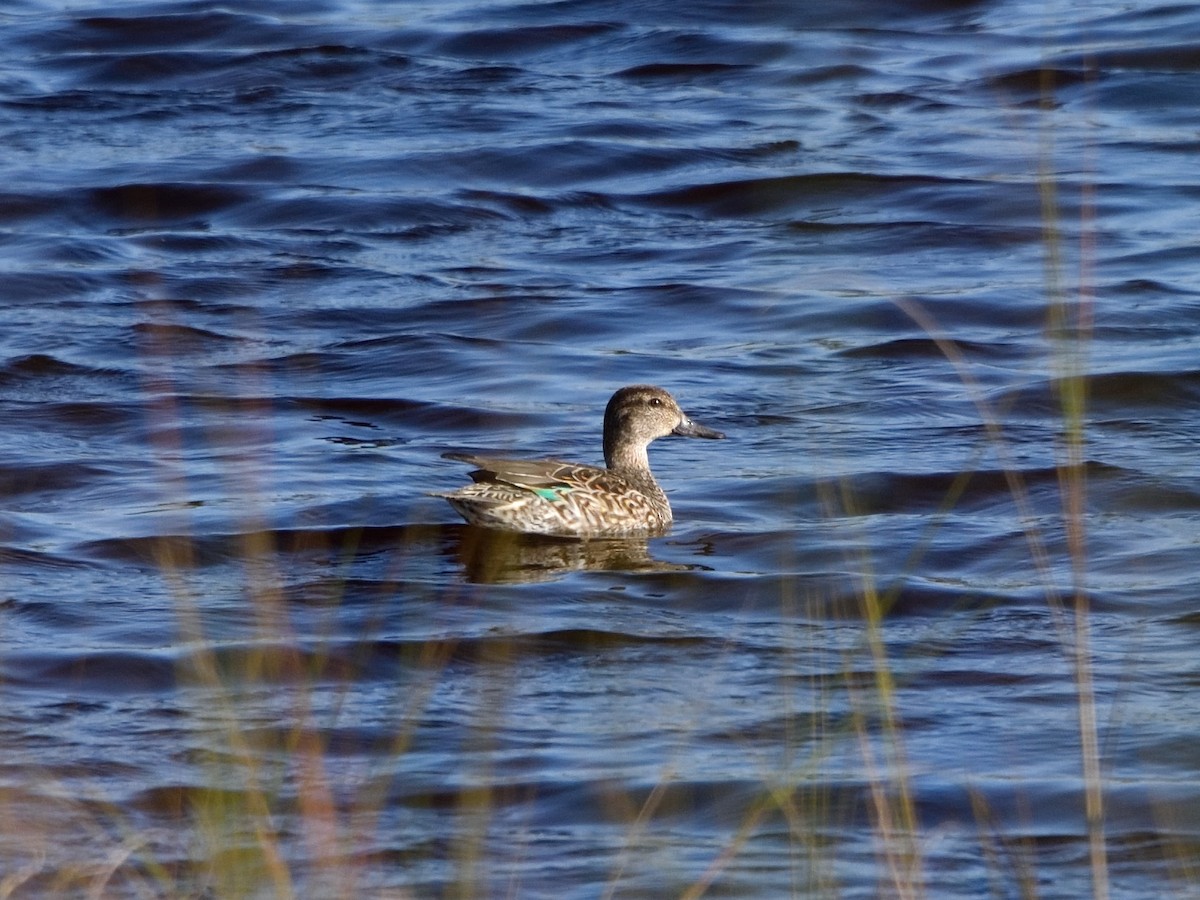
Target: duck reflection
pixel 489 556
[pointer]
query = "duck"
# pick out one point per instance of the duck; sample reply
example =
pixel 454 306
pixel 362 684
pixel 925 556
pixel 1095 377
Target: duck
pixel 566 499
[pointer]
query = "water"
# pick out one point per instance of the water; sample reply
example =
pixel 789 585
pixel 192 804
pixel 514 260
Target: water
pixel 263 262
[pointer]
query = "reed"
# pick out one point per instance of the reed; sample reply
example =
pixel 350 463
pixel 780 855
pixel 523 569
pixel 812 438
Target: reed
pixel 273 812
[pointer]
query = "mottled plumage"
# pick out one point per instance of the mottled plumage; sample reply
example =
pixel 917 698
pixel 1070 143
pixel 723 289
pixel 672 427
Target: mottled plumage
pixel 548 496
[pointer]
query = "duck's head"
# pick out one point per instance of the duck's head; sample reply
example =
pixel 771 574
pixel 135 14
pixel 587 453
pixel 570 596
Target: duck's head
pixel 637 415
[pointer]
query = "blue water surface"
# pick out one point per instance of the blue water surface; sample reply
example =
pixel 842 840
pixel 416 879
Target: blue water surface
pixel 925 624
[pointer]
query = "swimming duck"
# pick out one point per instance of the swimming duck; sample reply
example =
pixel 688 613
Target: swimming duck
pixel 549 496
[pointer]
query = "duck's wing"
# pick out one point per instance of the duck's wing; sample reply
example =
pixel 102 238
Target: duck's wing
pixel 531 474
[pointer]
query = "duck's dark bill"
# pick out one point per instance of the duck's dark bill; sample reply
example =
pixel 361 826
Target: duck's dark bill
pixel 688 428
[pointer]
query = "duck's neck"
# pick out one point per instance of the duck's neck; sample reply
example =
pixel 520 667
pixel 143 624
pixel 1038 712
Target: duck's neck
pixel 627 458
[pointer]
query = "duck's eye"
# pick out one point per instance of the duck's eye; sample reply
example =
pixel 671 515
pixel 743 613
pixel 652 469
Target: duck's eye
pixel 655 401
